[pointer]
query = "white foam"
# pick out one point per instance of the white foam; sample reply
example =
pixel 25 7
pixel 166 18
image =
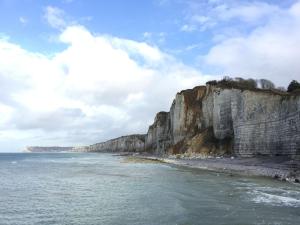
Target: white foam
pixel 276 200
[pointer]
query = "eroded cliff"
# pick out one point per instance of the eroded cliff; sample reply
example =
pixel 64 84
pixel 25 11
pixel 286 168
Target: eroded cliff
pixel 158 137
pixel 130 143
pixel 220 119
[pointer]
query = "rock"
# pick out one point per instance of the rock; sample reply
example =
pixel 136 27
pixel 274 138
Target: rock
pixel 297 180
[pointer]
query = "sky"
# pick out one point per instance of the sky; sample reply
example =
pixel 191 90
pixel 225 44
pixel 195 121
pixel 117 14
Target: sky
pixel 77 72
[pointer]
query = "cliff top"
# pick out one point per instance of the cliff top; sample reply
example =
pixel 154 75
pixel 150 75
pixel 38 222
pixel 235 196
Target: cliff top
pixel 250 85
pixel 192 90
pixel 162 113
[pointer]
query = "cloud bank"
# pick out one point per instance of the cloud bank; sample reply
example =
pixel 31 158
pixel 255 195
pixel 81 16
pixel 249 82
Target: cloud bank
pixel 99 87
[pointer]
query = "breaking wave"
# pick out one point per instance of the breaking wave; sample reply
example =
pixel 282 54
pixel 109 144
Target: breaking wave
pixel 275 200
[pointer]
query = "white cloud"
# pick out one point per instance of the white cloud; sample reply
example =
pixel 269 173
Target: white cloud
pixel 55 17
pixel 188 27
pixel 202 16
pixel 99 87
pixel 147 35
pixel 23 20
pixel 248 12
pixel 271 50
pixel 158 38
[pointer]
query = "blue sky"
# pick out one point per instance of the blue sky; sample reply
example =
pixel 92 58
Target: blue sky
pixel 75 72
pixel 158 22
pixel 125 19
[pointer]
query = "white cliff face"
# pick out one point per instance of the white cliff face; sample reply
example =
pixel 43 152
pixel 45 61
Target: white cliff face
pixel 266 124
pixel 80 149
pixel 178 118
pixel 186 113
pixel 249 122
pixel 219 120
pixel 131 143
pixel 222 112
pixel 158 137
pixel 41 149
pixel 259 122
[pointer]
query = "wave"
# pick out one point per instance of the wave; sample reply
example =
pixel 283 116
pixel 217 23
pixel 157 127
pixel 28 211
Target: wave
pixel 275 199
pixel 274 196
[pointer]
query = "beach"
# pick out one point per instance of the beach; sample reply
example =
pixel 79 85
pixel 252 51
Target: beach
pixel 277 167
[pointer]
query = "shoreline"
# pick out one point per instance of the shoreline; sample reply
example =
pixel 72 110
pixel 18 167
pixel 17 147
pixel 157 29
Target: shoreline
pixel 279 168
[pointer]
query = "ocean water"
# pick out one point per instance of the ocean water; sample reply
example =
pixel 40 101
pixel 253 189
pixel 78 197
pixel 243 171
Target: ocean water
pixel 91 189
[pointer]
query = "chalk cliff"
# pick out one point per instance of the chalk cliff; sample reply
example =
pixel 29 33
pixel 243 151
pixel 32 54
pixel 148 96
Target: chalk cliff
pixel 130 143
pixel 219 119
pixel 49 149
pixel 158 137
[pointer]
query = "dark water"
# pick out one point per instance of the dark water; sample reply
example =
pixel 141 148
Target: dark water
pixel 93 189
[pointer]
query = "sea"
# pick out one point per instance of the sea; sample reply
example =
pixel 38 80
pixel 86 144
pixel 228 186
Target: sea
pixel 105 189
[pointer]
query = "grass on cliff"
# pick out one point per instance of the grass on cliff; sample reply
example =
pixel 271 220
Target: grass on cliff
pixel 250 84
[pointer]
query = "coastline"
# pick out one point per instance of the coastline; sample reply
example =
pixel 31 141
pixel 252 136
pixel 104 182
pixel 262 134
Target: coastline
pixel 280 168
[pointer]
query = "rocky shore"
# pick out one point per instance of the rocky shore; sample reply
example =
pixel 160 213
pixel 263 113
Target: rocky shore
pixel 281 168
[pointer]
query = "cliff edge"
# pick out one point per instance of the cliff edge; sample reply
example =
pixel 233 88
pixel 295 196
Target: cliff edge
pixel 221 118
